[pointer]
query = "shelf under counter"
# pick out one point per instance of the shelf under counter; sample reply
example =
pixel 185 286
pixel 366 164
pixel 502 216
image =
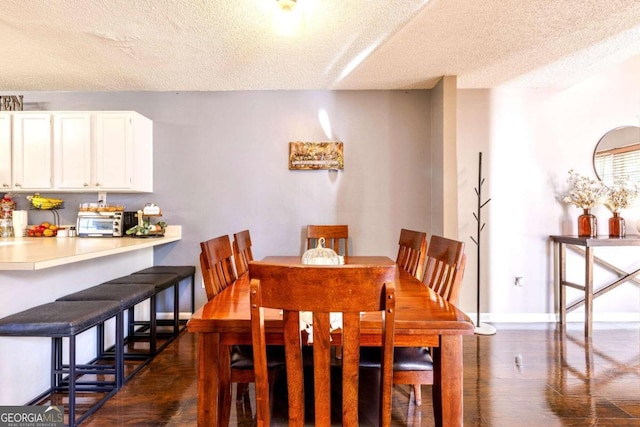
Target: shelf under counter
pixel 37 253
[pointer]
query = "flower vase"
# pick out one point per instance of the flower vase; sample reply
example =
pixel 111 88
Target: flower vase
pixel 617 226
pixel 587 224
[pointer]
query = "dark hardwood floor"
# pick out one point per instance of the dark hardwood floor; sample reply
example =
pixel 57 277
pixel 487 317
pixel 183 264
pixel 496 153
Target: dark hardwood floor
pixel 524 375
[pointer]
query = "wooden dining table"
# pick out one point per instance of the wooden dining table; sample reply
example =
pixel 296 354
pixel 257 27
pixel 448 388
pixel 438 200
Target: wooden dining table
pixel 423 318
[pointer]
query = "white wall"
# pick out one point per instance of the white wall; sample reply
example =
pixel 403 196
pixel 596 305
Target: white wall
pixel 530 139
pixel 221 165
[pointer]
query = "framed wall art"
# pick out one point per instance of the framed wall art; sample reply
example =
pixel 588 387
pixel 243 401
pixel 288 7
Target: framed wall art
pixel 316 156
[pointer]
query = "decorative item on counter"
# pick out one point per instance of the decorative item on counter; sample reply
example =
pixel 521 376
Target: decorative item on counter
pixel 151 209
pixel 586 193
pixel 145 228
pixel 45 229
pixel 45 203
pixel 320 255
pixel 7 205
pixel 619 196
pixel 100 207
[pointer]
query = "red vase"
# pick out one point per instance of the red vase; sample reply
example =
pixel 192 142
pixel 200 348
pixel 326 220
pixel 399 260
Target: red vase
pixel 587 224
pixel 617 226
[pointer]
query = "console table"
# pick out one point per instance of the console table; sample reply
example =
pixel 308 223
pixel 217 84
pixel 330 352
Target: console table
pixel 588 243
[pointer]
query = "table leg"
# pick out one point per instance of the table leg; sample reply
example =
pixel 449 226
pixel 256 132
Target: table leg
pixel 562 277
pixel 447 386
pixel 208 356
pixel 588 292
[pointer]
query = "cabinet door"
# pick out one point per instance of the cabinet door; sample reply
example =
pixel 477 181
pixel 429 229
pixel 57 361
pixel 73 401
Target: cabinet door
pixel 5 152
pixel 72 150
pixel 32 151
pixel 114 151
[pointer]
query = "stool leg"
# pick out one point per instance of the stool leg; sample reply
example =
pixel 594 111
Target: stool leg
pixel 152 326
pixel 119 345
pixel 176 309
pixel 72 381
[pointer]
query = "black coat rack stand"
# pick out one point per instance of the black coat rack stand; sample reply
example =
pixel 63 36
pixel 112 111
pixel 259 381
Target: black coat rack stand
pixel 481 328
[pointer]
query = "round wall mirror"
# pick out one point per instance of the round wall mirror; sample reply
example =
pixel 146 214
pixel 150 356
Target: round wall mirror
pixel 617 155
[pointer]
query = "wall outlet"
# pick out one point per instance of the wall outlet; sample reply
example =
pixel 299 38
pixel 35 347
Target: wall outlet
pixel 102 197
pixel 518 281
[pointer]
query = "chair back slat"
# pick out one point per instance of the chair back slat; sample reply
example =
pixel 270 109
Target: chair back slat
pixel 217 271
pixel 350 290
pixel 242 252
pixel 411 252
pixel 445 263
pixel 336 237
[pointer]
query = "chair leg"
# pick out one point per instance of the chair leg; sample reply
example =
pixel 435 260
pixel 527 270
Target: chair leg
pixel 241 390
pixel 417 393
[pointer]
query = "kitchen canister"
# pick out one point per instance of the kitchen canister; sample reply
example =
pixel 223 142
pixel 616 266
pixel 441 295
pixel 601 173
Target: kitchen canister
pixel 20 223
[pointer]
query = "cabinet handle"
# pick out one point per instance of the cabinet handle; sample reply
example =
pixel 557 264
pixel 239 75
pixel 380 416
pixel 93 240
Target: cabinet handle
pixel 5 185
pixel 97 184
pixel 85 184
pixel 18 185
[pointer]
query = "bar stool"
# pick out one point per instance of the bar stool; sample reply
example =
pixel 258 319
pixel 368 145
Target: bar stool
pixel 128 297
pixel 141 329
pixel 68 319
pixel 183 272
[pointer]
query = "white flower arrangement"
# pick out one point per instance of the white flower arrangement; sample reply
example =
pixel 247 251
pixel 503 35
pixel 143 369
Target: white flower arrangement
pixel 621 194
pixel 586 192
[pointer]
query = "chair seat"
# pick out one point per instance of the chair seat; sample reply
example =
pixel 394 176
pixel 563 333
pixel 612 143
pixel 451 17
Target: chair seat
pixel 59 318
pixel 182 271
pixel 404 358
pixel 127 296
pixel 242 357
pixel 161 281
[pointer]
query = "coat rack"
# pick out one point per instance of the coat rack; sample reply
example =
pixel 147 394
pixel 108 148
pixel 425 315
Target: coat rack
pixel 481 328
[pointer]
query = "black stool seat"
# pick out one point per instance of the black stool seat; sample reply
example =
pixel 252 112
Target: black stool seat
pixel 127 296
pixel 182 271
pixel 60 318
pixel 67 319
pixel 161 281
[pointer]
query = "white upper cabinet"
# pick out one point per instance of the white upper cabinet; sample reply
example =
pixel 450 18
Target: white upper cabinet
pixel 32 167
pixel 124 151
pixel 72 151
pixel 5 152
pixel 76 151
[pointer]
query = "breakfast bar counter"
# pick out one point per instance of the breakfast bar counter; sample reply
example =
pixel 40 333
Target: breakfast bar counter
pixel 39 270
pixel 37 253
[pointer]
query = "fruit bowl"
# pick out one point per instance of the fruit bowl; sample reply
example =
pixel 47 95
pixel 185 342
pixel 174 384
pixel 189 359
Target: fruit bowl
pixel 43 230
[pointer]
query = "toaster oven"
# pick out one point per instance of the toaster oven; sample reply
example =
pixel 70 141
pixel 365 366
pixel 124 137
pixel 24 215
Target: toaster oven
pixel 99 224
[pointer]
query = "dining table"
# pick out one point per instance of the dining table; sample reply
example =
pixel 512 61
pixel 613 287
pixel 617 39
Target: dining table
pixel 423 318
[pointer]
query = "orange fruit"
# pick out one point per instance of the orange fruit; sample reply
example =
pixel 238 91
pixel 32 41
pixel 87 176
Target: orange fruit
pixel 47 233
pixel 45 224
pixel 53 227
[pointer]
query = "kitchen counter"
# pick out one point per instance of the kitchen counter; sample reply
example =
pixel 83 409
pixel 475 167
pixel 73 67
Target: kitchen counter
pixel 37 253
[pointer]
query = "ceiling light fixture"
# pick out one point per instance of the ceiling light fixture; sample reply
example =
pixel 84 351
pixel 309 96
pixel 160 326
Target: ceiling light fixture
pixel 287 17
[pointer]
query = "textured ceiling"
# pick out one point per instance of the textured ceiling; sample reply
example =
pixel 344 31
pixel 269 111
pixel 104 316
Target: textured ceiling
pixel 206 45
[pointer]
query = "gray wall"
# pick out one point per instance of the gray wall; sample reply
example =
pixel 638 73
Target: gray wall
pixel 221 165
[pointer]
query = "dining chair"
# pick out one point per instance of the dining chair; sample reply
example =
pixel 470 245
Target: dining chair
pixel 216 264
pixel 445 264
pixel 218 274
pixel 412 248
pixel 322 290
pixel 242 253
pixel 336 237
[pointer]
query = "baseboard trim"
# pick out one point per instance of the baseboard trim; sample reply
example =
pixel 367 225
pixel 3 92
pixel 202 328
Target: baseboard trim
pixel 552 317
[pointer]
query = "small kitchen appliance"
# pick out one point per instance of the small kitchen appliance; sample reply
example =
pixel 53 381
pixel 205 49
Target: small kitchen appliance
pixel 100 223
